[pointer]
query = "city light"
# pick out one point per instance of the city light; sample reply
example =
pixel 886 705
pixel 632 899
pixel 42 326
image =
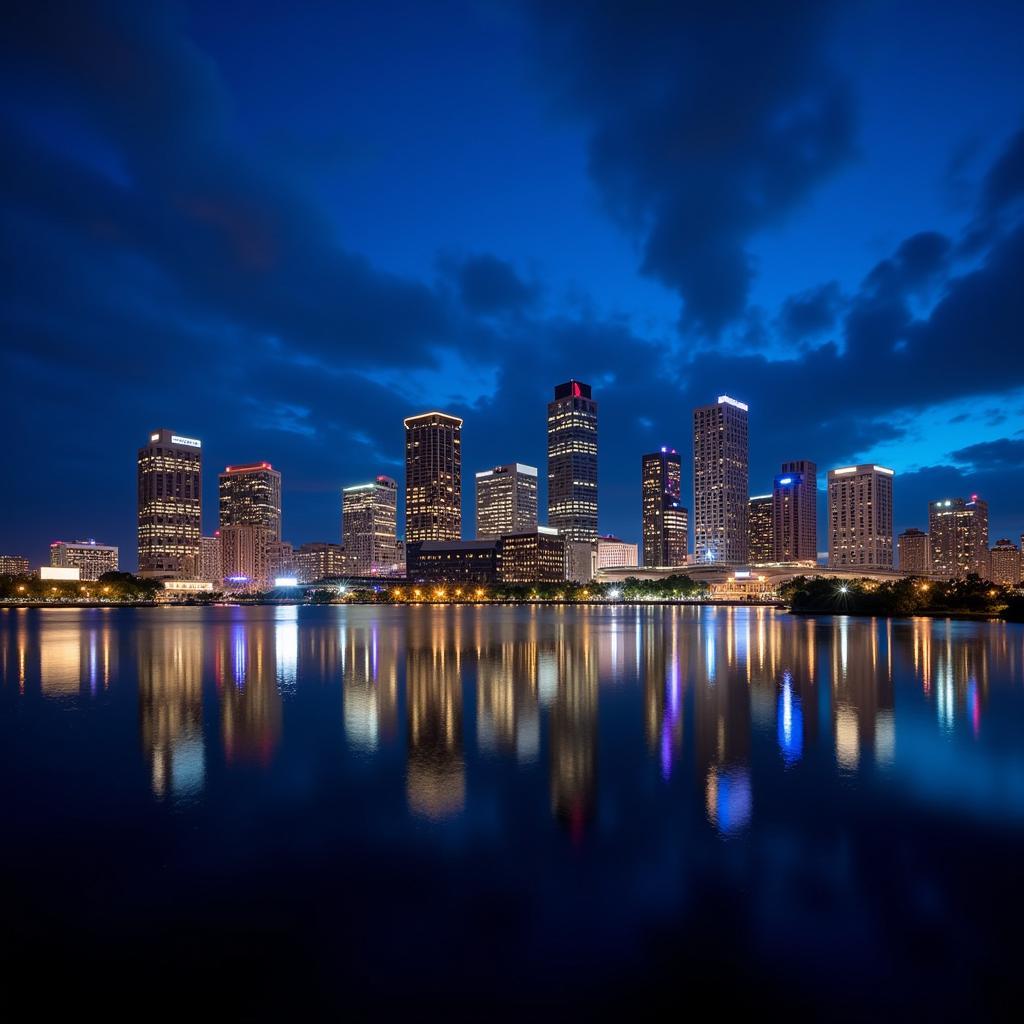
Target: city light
pixel 286 581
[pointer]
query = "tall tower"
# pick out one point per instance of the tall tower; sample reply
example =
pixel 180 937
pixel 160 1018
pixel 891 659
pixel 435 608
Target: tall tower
pixel 959 536
pixel 250 495
pixel 368 527
pixel 433 477
pixel 860 517
pixel 572 462
pixel 795 513
pixel 759 529
pixel 170 488
pixel 665 521
pixel 506 500
pixel 720 480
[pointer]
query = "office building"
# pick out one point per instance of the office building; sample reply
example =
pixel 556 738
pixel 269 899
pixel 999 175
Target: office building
pixel 860 517
pixel 91 558
pixel 368 517
pixel 665 520
pixel 280 560
pixel 245 557
pixel 1004 564
pixel 958 528
pixel 760 536
pixel 532 556
pixel 170 502
pixel 720 482
pixel 433 477
pixel 572 462
pixel 250 495
pixel 319 560
pixel 452 561
pixel 13 565
pixel 506 500
pixel 611 552
pixel 209 559
pixel 795 513
pixel 580 561
pixel 915 553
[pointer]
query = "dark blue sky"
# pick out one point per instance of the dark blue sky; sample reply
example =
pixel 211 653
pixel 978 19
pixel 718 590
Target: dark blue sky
pixel 283 227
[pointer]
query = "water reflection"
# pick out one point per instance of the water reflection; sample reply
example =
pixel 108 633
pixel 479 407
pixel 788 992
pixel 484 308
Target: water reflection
pixel 533 687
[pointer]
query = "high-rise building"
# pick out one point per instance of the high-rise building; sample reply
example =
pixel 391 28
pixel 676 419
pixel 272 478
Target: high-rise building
pixel 506 500
pixel 170 501
pixel 245 556
pixel 795 513
pixel 915 552
pixel 319 560
pixel 860 517
pixel 665 520
pixel 209 559
pixel 532 556
pixel 250 495
pixel 433 477
pixel 572 462
pixel 13 565
pixel 86 555
pixel 368 515
pixel 760 538
pixel 613 553
pixel 959 536
pixel 720 482
pixel 1004 564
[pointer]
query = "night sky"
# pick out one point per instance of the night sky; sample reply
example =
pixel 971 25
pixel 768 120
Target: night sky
pixel 282 227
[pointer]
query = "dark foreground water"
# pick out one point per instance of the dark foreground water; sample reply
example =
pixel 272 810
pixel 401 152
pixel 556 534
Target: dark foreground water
pixel 458 811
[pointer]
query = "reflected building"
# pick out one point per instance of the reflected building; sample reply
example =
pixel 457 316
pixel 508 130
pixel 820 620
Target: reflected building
pixel 369 672
pixel 664 687
pixel 507 711
pixel 436 779
pixel 76 658
pixel 170 670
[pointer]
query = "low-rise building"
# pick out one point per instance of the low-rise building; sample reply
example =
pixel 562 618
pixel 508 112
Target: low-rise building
pixel 915 552
pixel 86 555
pixel 319 560
pixel 580 561
pixel 1004 563
pixel 14 565
pixel 452 561
pixel 532 556
pixel 614 552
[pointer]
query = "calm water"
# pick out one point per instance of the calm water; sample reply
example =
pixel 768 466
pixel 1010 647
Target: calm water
pixel 459 810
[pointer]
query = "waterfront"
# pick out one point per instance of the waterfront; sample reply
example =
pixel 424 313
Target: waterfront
pixel 468 806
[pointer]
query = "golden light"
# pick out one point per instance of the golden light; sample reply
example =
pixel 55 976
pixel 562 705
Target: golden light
pixel 439 592
pixel 479 591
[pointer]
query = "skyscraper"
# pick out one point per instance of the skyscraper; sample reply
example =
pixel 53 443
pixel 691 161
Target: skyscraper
pixel 759 529
pixel 720 482
pixel 572 462
pixel 914 551
pixel 170 472
pixel 368 513
pixel 506 500
pixel 433 477
pixel 860 517
pixel 665 521
pixel 959 536
pixel 245 556
pixel 795 513
pixel 250 495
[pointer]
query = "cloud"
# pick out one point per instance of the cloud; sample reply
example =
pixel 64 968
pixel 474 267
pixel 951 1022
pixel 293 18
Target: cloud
pixel 488 285
pixel 707 124
pixel 810 313
pixel 992 456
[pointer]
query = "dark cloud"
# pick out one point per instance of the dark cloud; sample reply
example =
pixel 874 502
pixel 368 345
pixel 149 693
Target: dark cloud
pixel 992 456
pixel 488 285
pixel 810 313
pixel 707 122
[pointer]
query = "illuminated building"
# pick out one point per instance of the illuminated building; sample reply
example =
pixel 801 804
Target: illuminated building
pixel 452 561
pixel 795 513
pixel 610 551
pixel 433 477
pixel 13 565
pixel 572 462
pixel 209 559
pixel 532 556
pixel 250 495
pixel 720 482
pixel 759 529
pixel 1004 564
pixel 280 559
pixel 368 513
pixel 245 557
pixel 580 561
pixel 665 521
pixel 319 560
pixel 860 517
pixel 92 559
pixel 506 500
pixel 170 471
pixel 959 536
pixel 914 549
